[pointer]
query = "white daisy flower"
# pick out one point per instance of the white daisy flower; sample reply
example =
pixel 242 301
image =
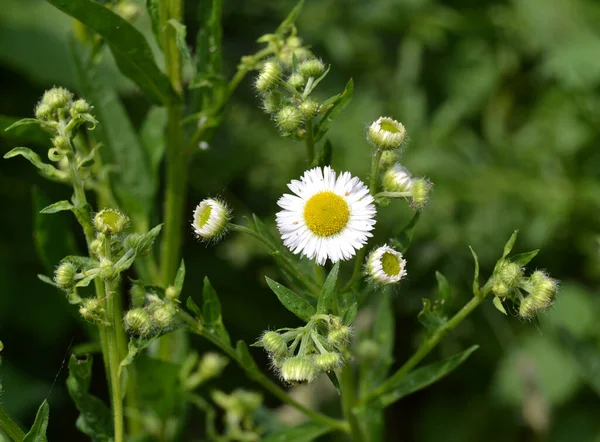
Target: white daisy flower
pixel 387 133
pixel 386 266
pixel 397 179
pixel 328 217
pixel 210 219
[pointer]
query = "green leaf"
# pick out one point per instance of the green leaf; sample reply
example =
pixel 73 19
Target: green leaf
pixel 37 433
pixel 27 133
pixel 403 240
pixel 134 182
pixel 510 243
pixel 476 288
pixel 335 107
pixel 153 8
pixel 349 315
pixel 524 258
pixel 498 304
pixel 184 50
pixel 325 154
pixel 46 170
pixel 306 432
pixel 146 241
pixel 129 47
pixel 585 353
pixel 211 310
pixel 159 387
pixel 383 332
pixel 444 290
pixel 290 300
pixel 326 297
pixel 25 122
pixel 288 23
pixel 246 361
pixel 134 347
pixel 47 280
pixel 193 307
pixel 95 418
pixel 430 317
pixel 58 207
pixel 152 135
pixel 423 377
pixel 180 277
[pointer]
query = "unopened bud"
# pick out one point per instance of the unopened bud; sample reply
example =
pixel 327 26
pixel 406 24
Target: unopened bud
pixel 527 309
pixel 79 107
pixel 500 289
pixel 397 179
pixel 106 269
pixel 328 361
pixel 311 67
pixel 339 337
pixel 60 142
pixel 309 108
pixel 289 118
pixel 274 344
pixel 510 274
pixel 91 310
pixel 57 97
pixel 171 293
pixel 543 289
pixel 131 241
pixel 64 275
pixel 296 80
pixel 138 322
pixel 110 221
pixel 164 317
pixel 43 111
pixel 420 192
pixel 211 365
pixel 211 218
pixel 386 133
pixel 298 370
pixel 271 102
pixel 268 77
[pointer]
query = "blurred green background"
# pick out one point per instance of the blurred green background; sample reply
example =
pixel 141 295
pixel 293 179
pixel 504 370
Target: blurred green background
pixel 501 100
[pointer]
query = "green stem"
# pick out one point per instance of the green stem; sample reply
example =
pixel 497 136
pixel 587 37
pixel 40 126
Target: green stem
pixel 308 284
pixel 426 347
pixel 393 194
pixel 348 390
pixel 261 379
pixel 374 170
pixel 310 143
pixel 10 427
pixel 113 318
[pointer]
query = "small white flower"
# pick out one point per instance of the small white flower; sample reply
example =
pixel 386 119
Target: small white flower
pixel 328 217
pixel 387 133
pixel 210 219
pixel 397 179
pixel 386 266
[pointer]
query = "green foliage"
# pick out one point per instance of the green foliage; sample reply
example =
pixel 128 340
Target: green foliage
pixel 292 301
pixel 37 433
pixel 301 433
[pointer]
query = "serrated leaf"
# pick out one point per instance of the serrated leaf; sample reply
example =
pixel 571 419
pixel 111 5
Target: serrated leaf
pixel 300 433
pixel 211 310
pixel 134 181
pixel 523 258
pixel 95 418
pixel 476 288
pixel 335 108
pixel 128 46
pixel 58 207
pixel 180 277
pixel 422 377
pixel 37 433
pixel 328 292
pixel 291 301
pixel 403 240
pixel 134 347
pixel 510 243
pixel 498 304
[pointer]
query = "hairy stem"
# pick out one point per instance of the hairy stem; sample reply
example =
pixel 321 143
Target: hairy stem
pixel 10 427
pixel 348 390
pixel 310 143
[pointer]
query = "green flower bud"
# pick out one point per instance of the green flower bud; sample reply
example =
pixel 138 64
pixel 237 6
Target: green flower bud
pixel 527 309
pixel 138 322
pixel 388 159
pixel 79 107
pixel 248 400
pixel 311 67
pixel 171 293
pixel 106 269
pixel 309 108
pixel 274 344
pixel 397 179
pixel 420 192
pixel 131 241
pixel 269 76
pixel 298 370
pixel 271 102
pixel 296 81
pixel 289 119
pixel 293 42
pixel 500 289
pixel 339 337
pixel 386 133
pixel 165 316
pixel 60 142
pixel 64 275
pixel 57 98
pixel 91 310
pixel 510 274
pixel 110 221
pixel 211 218
pixel 543 289
pixel 43 111
pixel 326 362
pixel 138 295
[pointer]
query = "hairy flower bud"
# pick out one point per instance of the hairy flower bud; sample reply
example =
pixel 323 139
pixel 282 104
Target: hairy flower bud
pixel 543 289
pixel 57 98
pixel 527 309
pixel 271 102
pixel 386 133
pixel 296 80
pixel 60 142
pixel 309 108
pixel 298 370
pixel 43 111
pixel 107 270
pixel 210 219
pixel 64 275
pixel 268 77
pixel 138 322
pixel 289 118
pixel 326 362
pixel 312 67
pixel 397 179
pixel 274 344
pixel 91 310
pixel 420 192
pixel 79 107
pixel 110 221
pixel 171 293
pixel 500 289
pixel 510 274
pixel 165 316
pixel 339 337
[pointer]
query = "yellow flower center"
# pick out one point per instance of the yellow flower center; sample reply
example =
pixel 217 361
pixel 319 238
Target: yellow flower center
pixel 390 264
pixel 204 215
pixel 326 213
pixel 389 127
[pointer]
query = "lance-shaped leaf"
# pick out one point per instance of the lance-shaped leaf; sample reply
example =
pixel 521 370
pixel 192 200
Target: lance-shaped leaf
pixel 129 47
pixel 422 377
pixel 306 432
pixel 510 244
pixel 334 107
pixel 37 433
pixel 211 310
pixel 476 288
pixel 180 277
pixel 290 300
pixel 523 258
pixel 24 130
pixel 46 170
pixel 326 297
pixel 95 418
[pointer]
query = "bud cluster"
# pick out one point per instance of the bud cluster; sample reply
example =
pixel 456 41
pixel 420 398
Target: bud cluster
pixel 196 371
pixel 300 354
pixel 157 317
pixel 388 137
pixel 240 407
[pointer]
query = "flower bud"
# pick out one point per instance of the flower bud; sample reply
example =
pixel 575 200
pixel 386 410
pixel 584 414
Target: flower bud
pixel 420 192
pixel 543 289
pixel 43 111
pixel 248 400
pixel 386 133
pixel 110 221
pixel 60 142
pixel 311 67
pixel 527 309
pixel 339 337
pixel 271 102
pixel 293 42
pixel 386 266
pixel 274 344
pixel 510 274
pixel 326 362
pixel 296 80
pixel 57 98
pixel 388 159
pixel 211 365
pixel 298 370
pixel 171 293
pixel 210 219
pixel 165 316
pixel 91 310
pixel 64 275
pixel 79 107
pixel 138 295
pixel 138 322
pixel 97 245
pixel 131 241
pixel 268 77
pixel 397 179
pixel 309 108
pixel 106 269
pixel 500 289
pixel 289 118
